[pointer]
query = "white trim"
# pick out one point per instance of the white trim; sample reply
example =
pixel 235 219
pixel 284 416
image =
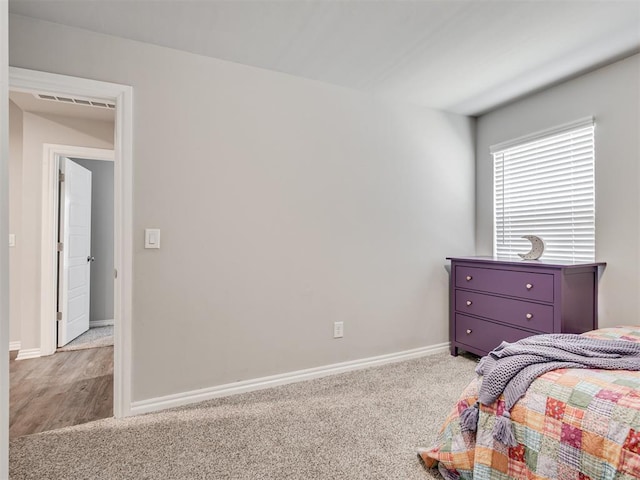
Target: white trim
pixel 4 231
pixel 123 253
pixel 89 153
pixel 26 353
pixel 49 235
pixel 24 80
pixel 30 80
pixel 13 346
pixel 100 323
pixel 583 122
pixel 179 399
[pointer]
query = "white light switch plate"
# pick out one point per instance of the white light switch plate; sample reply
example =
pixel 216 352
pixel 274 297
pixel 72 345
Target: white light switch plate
pixel 12 239
pixel 338 329
pixel 152 238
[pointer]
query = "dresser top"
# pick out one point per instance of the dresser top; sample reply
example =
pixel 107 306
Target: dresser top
pixel 517 261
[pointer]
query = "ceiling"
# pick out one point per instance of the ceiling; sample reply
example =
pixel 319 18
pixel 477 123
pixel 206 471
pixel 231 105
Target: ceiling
pixel 28 102
pixel 467 57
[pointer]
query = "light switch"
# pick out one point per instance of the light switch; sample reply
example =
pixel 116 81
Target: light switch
pixel 152 238
pixel 12 239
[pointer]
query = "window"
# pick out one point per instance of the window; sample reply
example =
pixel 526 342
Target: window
pixel 544 185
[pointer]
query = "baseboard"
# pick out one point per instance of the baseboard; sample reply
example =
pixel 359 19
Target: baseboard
pixel 13 346
pixel 100 323
pixel 179 399
pixel 26 353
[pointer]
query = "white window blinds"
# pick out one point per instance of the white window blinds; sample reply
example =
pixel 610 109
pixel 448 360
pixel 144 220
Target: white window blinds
pixel 544 186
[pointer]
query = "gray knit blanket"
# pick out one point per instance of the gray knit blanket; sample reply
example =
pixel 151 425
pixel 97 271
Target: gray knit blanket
pixel 510 368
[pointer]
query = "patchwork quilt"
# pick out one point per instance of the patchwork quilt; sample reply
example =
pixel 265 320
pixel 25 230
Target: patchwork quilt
pixel 572 424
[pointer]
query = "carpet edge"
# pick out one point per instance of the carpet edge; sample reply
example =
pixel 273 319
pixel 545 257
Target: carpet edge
pixel 185 398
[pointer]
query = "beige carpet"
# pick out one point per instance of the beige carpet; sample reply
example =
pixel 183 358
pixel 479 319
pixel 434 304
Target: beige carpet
pixel 357 425
pixel 93 338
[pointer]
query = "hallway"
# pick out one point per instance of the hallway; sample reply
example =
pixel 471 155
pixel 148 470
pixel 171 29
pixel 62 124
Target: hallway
pixel 67 388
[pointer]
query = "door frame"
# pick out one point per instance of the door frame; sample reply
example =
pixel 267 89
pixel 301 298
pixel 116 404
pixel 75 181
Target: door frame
pixel 42 82
pixel 48 244
pixel 4 232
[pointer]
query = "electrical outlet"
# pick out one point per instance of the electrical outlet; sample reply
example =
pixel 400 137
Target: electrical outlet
pixel 338 329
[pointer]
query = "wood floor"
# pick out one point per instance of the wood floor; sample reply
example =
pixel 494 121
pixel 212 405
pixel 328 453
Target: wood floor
pixel 67 388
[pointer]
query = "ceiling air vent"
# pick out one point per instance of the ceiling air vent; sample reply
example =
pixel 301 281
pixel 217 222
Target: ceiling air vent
pixel 78 101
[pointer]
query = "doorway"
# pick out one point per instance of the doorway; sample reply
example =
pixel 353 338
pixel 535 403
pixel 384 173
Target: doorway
pixel 85 267
pixel 47 393
pixel 81 257
pixel 31 81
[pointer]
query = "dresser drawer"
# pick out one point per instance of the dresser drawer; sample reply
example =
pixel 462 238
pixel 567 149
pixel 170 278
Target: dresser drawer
pixel 483 335
pixel 518 313
pixel 526 285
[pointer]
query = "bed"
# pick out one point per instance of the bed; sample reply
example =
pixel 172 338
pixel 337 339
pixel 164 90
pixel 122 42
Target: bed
pixel 572 424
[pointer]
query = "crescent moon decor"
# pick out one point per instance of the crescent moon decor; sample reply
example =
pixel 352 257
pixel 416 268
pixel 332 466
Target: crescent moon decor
pixel 537 248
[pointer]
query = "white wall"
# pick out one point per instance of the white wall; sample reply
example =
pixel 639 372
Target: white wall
pixel 612 95
pixel 15 218
pixel 101 238
pixel 285 205
pixel 38 129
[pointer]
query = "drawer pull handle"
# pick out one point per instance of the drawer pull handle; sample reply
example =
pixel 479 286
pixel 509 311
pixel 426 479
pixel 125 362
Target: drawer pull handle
pixel 529 316
pixel 469 278
pixel 469 331
pixel 529 286
pixel 469 302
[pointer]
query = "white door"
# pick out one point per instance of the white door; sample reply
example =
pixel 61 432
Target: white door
pixel 74 265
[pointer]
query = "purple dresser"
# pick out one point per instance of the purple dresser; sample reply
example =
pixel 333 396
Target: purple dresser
pixel 494 300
